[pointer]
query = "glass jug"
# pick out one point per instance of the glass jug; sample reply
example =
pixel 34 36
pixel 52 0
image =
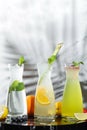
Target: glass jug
pixel 44 97
pixel 16 96
pixel 72 101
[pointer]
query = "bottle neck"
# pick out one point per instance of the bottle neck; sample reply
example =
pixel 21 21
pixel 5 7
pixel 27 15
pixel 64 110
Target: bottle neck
pixel 72 73
pixel 44 72
pixel 16 73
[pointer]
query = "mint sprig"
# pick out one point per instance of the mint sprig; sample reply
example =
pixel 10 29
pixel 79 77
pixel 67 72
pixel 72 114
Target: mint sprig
pixel 76 64
pixel 53 57
pixel 16 86
pixel 51 60
pixel 21 60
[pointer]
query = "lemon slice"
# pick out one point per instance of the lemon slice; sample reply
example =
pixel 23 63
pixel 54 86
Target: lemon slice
pixel 58 107
pixel 42 96
pixel 81 116
pixel 3 112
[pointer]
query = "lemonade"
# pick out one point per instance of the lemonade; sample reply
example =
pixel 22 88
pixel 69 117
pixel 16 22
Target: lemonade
pixel 44 97
pixel 44 103
pixel 72 95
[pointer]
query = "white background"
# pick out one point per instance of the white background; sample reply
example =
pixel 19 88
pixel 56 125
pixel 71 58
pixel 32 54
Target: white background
pixel 33 28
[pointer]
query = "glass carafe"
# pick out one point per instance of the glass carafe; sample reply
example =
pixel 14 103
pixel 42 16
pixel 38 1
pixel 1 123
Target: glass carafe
pixel 44 97
pixel 16 96
pixel 72 96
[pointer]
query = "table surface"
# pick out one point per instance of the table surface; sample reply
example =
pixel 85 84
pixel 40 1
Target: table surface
pixel 32 124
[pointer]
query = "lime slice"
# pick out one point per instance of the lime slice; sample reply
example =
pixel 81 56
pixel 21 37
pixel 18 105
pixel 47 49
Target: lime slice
pixel 81 116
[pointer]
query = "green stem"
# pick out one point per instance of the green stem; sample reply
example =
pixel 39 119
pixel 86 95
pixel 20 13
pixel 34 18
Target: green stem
pixel 44 74
pixel 51 61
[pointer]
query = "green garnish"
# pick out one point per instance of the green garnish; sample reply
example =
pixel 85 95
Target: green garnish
pixel 21 60
pixel 16 86
pixel 54 55
pixel 76 64
pixel 51 60
pixel 13 86
pixel 20 86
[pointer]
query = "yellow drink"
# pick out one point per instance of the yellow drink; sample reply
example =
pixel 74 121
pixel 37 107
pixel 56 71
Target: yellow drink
pixel 44 103
pixel 72 95
pixel 44 97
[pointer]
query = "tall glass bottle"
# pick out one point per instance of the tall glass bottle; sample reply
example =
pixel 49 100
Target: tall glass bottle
pixel 72 96
pixel 16 95
pixel 44 97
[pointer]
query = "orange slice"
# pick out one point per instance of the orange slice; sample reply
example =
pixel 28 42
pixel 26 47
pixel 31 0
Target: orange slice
pixel 42 96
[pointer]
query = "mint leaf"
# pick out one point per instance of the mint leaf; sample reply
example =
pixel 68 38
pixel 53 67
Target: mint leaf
pixel 16 86
pixel 74 63
pixel 54 55
pixel 13 86
pixel 21 60
pixel 51 59
pixel 20 86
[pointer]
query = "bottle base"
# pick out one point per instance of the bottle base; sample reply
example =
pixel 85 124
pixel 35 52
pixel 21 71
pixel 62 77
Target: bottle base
pixel 44 119
pixel 16 118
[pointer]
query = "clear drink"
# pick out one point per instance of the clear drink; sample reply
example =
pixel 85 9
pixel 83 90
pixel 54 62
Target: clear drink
pixel 44 97
pixel 16 96
pixel 72 95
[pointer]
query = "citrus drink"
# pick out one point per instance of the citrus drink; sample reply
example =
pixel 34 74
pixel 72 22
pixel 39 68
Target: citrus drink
pixel 72 95
pixel 44 102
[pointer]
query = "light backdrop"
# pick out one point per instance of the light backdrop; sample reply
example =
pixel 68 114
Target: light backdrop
pixel 33 28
